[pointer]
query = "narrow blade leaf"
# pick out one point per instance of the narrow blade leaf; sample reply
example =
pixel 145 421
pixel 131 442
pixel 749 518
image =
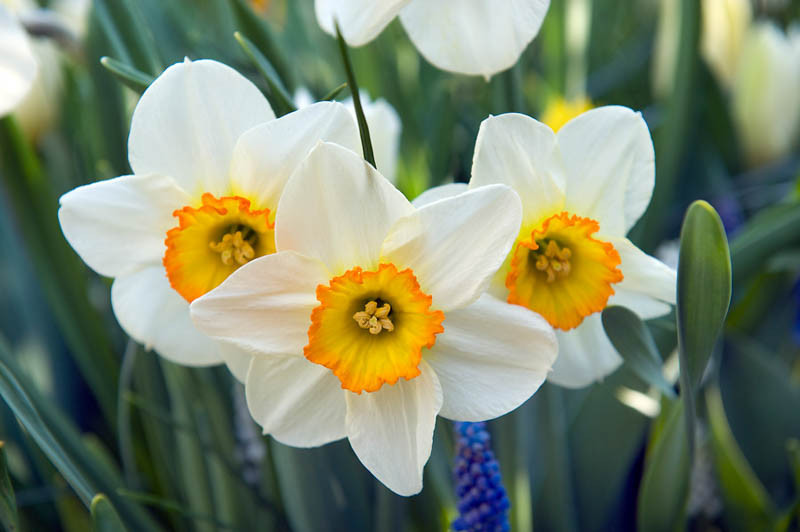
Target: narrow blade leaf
pixel 363 127
pixel 280 97
pixel 129 76
pixel 634 342
pixel 104 516
pixel 8 502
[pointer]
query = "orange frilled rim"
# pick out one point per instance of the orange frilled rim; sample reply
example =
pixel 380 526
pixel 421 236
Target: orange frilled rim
pixel 193 267
pixel 362 361
pixel 566 300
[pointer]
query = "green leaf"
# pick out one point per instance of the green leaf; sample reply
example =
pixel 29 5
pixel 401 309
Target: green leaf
pixel 748 506
pixel 634 342
pixel 704 295
pixel 8 502
pixel 664 491
pixel 673 136
pixel 125 27
pixel 772 230
pixel 280 97
pixel 129 76
pixel 334 93
pixel 60 441
pixel 64 287
pixel 363 127
pixel 104 517
pixel 258 30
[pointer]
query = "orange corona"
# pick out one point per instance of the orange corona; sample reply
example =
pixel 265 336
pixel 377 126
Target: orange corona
pixel 212 241
pixel 370 327
pixel 562 272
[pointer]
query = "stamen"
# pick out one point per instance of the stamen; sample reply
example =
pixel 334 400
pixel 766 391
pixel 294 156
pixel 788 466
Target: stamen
pixel 375 318
pixel 236 246
pixel 552 260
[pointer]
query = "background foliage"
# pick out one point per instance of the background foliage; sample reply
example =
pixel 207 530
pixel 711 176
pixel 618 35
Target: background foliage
pixel 99 432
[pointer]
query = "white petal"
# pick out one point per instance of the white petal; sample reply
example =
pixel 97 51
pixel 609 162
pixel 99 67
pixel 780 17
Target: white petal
pixel 264 306
pixel 237 360
pixel 384 130
pixel 455 245
pixel 648 286
pixel 441 192
pixel 391 430
pixel 339 209
pixel 479 37
pixel 491 358
pixel 17 62
pixel 521 152
pixel 608 154
pixel 118 225
pixel 267 155
pixel 585 355
pixel 359 20
pixel 188 121
pixel 152 313
pixel 299 403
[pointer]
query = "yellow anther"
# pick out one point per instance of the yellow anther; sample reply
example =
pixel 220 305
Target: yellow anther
pixel 233 249
pixel 552 260
pixel 375 318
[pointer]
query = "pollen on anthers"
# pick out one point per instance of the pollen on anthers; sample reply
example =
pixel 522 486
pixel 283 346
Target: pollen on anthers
pixel 235 246
pixel 553 260
pixel 375 318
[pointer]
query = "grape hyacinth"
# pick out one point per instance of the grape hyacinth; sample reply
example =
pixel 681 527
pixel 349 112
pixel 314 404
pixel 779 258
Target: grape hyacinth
pixel 482 500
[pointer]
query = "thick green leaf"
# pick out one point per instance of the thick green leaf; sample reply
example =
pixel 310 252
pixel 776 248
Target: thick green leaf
pixel 664 491
pixel 104 517
pixel 747 505
pixel 704 288
pixel 8 502
pixel 259 32
pixel 124 24
pixel 363 127
pixel 634 342
pixel 279 96
pixel 129 76
pixel 772 230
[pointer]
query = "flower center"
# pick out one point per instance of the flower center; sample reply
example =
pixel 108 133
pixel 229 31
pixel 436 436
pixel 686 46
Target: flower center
pixel 554 260
pixel 212 241
pixel 370 327
pixel 562 272
pixel 236 246
pixel 375 318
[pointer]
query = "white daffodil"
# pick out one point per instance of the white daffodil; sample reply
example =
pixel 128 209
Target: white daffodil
pixel 766 92
pixel 384 128
pixel 477 37
pixel 210 161
pixel 582 189
pixel 371 319
pixel 18 65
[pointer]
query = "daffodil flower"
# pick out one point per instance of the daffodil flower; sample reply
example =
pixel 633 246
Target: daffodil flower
pixel 18 66
pixel 476 37
pixel 210 161
pixel 371 318
pixel 582 189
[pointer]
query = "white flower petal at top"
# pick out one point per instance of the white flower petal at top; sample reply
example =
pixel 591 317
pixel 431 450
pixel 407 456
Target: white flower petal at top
pixel 211 163
pixel 18 65
pixel 475 37
pixel 394 286
pixel 582 189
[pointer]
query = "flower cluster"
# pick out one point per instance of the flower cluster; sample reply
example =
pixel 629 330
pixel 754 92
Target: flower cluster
pixel 269 244
pixel 482 500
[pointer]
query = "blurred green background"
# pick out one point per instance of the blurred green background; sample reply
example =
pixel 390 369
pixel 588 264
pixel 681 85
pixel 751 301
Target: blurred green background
pixel 173 448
